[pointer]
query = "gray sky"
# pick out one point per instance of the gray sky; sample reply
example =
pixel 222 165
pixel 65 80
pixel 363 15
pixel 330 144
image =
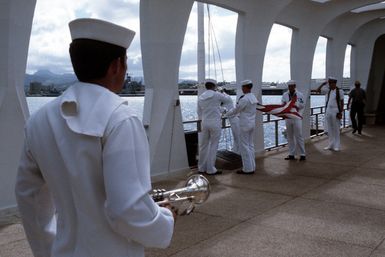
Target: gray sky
pixel 50 39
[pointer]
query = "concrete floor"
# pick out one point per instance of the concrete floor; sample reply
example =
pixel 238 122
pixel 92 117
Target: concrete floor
pixel 331 205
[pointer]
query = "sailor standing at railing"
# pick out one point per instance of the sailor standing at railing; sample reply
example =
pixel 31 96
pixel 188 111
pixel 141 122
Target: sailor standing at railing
pixel 209 112
pixel 234 121
pixel 334 98
pixel 246 108
pixel 294 126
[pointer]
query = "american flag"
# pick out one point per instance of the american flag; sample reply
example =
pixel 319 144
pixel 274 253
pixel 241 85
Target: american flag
pixel 286 111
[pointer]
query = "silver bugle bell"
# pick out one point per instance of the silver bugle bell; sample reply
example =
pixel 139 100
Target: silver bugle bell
pixel 195 191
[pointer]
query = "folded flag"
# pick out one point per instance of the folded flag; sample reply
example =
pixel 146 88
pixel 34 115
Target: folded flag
pixel 286 111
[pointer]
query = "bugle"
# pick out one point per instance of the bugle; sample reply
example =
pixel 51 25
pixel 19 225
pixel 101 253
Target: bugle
pixel 196 191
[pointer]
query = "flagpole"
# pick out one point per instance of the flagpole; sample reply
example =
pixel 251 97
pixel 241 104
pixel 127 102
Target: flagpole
pixel 201 44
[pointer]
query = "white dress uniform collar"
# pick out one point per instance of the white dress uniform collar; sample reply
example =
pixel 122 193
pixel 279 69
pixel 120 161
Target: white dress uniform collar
pixel 207 94
pixel 251 98
pixel 81 99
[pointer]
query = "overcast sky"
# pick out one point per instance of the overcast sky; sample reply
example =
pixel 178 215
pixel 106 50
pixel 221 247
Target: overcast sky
pixel 50 39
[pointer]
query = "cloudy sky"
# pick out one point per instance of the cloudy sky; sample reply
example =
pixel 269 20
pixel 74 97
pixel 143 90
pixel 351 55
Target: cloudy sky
pixel 50 39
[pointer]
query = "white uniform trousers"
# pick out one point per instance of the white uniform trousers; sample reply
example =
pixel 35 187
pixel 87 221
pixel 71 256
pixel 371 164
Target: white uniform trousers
pixel 333 125
pixel 208 146
pixel 234 122
pixel 246 137
pixel 294 137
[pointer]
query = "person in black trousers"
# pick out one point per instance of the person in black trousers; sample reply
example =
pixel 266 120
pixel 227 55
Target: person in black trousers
pixel 356 104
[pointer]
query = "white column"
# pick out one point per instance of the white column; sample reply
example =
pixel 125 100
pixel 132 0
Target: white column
pixel 15 29
pixel 253 30
pixel 201 44
pixel 162 34
pixel 303 45
pixel 335 57
pixel 248 66
pixel 353 65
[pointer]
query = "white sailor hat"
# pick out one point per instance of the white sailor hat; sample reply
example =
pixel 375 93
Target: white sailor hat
pixel 332 78
pixel 87 28
pixel 246 82
pixel 213 81
pixel 291 82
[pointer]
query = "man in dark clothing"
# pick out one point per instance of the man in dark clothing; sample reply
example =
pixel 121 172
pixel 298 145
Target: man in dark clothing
pixel 356 104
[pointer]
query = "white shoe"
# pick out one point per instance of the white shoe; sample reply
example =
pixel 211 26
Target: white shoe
pixel 336 149
pixel 328 148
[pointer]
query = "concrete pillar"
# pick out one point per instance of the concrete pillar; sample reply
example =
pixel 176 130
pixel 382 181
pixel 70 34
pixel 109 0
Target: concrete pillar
pixel 303 46
pixel 15 29
pixel 162 35
pixel 353 65
pixel 253 30
pixel 201 61
pixel 247 60
pixel 335 57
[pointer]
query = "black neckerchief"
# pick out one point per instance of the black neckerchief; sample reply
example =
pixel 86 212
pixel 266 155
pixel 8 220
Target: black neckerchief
pixel 240 98
pixel 290 96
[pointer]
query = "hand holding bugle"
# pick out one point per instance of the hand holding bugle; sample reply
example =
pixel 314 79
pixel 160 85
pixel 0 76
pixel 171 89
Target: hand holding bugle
pixel 195 191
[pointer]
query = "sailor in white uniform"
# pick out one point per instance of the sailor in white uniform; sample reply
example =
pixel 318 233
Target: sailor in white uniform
pixel 84 174
pixel 294 126
pixel 234 122
pixel 246 108
pixel 209 112
pixel 334 97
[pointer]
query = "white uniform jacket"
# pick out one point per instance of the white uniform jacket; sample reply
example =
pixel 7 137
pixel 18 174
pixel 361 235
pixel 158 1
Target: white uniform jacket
pixel 331 99
pixel 246 108
pixel 332 124
pixel 294 126
pixel 209 106
pixel 228 105
pixel 300 103
pixel 83 179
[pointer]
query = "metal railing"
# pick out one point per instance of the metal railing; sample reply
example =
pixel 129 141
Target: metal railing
pixel 317 115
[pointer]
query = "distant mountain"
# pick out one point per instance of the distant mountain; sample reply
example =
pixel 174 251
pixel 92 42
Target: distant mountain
pixel 187 81
pixel 47 77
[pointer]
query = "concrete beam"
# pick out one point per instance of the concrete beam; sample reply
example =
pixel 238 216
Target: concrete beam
pixel 339 32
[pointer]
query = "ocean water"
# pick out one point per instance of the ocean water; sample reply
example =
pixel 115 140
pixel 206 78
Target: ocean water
pixel 188 104
pixel 189 112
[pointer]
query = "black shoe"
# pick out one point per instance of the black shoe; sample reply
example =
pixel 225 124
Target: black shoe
pixel 290 157
pixel 213 174
pixel 354 131
pixel 244 173
pixel 302 158
pixel 359 133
